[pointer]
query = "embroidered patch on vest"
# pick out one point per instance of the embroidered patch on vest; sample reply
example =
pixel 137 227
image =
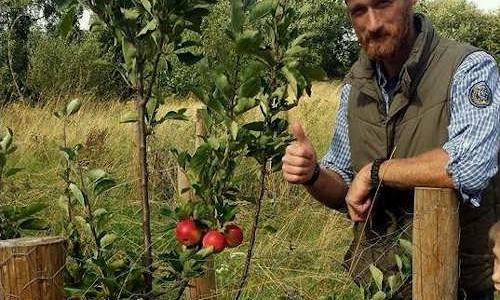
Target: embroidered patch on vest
pixel 480 95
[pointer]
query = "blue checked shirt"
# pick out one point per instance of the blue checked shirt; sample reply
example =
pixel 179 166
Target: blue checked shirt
pixel 473 131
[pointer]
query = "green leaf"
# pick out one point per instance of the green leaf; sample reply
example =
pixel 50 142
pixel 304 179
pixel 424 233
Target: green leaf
pixel 262 9
pixel 130 117
pixel 237 15
pixel 99 213
pixel 175 115
pixel 151 109
pixel 96 174
pixel 399 262
pixel 229 213
pixel 250 88
pixel 66 23
pixel 68 153
pixel 147 5
pixel 77 193
pixel 377 275
pixel 394 282
pixel 296 51
pixel 245 104
pixel 234 130
pixel 222 84
pixel 406 245
pixel 204 252
pixel 189 58
pixel 255 126
pixel 6 140
pixel 292 81
pixel 248 42
pixel 103 185
pixel 129 54
pixel 151 26
pixel 379 296
pixel 301 39
pixel 73 107
pixel 12 172
pixel 276 163
pixel 108 239
pixel 131 13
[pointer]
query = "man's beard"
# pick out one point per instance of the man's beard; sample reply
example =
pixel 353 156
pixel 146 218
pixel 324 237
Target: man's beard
pixel 386 43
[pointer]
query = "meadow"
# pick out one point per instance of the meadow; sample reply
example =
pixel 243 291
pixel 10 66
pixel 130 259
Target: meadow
pixel 300 243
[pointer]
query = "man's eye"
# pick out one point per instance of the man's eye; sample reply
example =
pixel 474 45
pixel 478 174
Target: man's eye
pixel 357 11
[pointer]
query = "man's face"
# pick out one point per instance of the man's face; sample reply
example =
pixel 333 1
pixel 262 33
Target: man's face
pixel 382 26
pixel 496 269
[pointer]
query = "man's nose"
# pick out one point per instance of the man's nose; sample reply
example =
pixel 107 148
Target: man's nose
pixel 374 23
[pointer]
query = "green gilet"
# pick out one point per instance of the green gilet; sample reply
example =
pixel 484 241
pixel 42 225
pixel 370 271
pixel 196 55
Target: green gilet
pixel 416 122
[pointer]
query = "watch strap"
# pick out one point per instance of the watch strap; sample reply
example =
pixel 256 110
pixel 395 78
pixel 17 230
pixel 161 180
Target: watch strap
pixel 374 175
pixel 315 175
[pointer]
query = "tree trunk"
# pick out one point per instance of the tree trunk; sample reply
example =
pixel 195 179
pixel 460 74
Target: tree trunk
pixel 143 164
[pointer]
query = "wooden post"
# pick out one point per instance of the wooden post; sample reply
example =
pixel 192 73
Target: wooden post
pixel 204 287
pixel 435 244
pixel 32 268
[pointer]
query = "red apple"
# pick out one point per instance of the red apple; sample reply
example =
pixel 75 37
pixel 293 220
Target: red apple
pixel 233 235
pixel 187 233
pixel 214 239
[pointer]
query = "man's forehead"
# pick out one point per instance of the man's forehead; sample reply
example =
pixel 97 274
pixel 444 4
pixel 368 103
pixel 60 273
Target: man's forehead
pixel 366 2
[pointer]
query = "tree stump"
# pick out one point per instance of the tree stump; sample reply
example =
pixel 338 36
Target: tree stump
pixel 435 244
pixel 32 268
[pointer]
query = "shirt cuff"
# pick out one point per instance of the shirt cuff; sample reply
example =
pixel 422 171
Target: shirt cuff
pixel 345 175
pixel 453 170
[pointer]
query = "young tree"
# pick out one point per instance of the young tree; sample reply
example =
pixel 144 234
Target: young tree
pixel 147 30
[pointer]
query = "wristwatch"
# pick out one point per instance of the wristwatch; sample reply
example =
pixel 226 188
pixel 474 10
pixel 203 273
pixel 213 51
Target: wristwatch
pixel 375 180
pixel 314 177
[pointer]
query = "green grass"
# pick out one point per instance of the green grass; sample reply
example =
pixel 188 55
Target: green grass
pixel 300 260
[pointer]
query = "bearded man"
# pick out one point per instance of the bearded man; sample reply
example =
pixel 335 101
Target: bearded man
pixel 415 110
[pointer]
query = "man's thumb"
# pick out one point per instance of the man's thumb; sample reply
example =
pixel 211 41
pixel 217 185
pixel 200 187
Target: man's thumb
pixel 298 132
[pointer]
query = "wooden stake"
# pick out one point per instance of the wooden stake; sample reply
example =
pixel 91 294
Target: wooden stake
pixel 435 244
pixel 203 287
pixel 32 268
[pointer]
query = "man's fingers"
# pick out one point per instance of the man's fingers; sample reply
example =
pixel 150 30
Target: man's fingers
pixel 298 132
pixel 358 208
pixel 296 161
pixel 293 170
pixel 295 179
pixel 297 149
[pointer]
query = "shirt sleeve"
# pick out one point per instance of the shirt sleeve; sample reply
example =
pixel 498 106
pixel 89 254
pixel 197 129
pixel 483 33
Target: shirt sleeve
pixel 338 156
pixel 474 126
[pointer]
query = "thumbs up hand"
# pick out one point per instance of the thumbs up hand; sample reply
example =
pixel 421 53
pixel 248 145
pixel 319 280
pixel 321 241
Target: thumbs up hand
pixel 300 158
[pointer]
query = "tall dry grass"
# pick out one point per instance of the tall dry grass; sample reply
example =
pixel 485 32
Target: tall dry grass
pixel 300 244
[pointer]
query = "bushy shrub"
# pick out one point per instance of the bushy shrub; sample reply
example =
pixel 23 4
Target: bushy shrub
pixel 81 67
pixel 334 44
pixel 462 21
